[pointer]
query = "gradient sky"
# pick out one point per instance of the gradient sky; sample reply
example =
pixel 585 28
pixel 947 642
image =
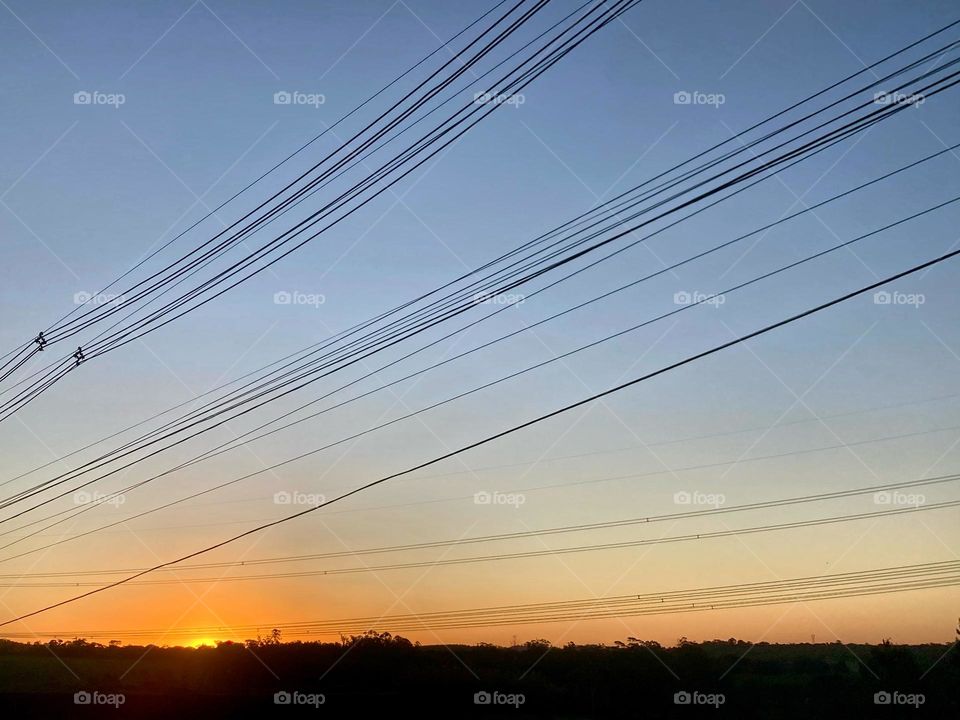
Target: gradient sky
pixel 87 190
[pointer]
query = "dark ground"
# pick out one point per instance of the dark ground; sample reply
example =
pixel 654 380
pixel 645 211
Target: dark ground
pixel 378 674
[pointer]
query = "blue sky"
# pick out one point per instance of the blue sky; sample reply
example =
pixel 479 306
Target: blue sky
pixel 88 189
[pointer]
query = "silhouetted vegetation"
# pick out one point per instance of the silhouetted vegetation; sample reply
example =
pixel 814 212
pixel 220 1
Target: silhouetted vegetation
pixel 629 678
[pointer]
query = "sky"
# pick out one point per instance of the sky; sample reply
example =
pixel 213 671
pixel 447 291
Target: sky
pixel 862 394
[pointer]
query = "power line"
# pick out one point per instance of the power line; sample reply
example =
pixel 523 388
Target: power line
pixel 842 81
pixel 645 520
pixel 445 401
pixel 801 589
pixel 899 108
pixel 491 438
pixel 464 66
pixel 329 128
pixel 630 476
pixel 76 473
pixel 865 69
pixel 552 56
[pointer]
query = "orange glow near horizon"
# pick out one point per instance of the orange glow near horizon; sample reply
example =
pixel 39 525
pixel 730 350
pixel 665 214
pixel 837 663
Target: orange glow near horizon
pixel 866 620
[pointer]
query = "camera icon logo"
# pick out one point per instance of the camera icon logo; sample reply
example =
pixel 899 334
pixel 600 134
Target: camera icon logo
pixel 682 98
pixel 482 698
pixel 82 698
pixel 282 97
pixel 82 97
pixel 682 698
pixel 282 698
pixel 882 698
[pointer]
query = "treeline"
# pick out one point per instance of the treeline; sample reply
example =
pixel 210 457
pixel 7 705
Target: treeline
pixel 376 671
